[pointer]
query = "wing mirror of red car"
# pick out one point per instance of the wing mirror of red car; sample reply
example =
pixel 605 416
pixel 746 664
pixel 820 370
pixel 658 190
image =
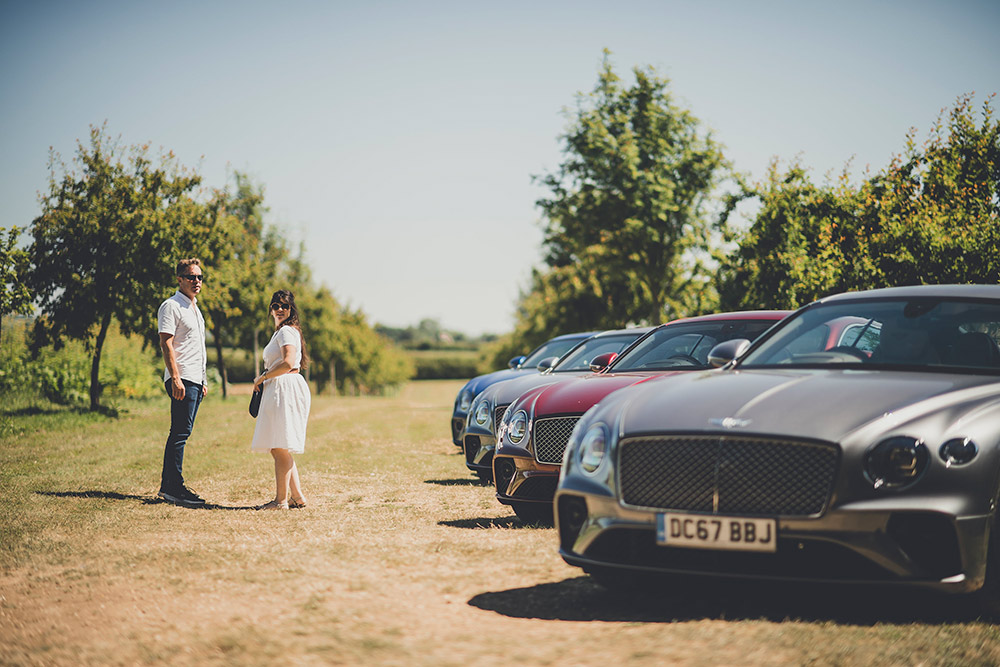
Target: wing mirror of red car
pixel 547 363
pixel 723 353
pixel 515 362
pixel 602 361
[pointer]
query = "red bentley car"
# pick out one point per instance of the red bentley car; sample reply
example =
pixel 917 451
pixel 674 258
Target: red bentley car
pixel 536 427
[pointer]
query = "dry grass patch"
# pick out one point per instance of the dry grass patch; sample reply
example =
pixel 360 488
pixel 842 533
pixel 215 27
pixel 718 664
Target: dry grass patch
pixel 402 558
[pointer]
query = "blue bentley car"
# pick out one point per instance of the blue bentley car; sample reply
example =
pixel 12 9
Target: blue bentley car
pixel 542 357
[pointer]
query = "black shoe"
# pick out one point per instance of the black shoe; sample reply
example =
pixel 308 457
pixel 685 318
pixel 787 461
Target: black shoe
pixel 181 496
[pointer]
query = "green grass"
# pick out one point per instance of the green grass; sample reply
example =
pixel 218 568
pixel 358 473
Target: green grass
pixel 402 558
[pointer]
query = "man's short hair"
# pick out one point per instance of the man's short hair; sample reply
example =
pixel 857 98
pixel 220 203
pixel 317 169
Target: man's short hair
pixel 185 264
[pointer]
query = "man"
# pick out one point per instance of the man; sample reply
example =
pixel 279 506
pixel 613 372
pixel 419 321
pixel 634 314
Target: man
pixel 182 341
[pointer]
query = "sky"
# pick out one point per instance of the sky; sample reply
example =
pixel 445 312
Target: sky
pixel 397 141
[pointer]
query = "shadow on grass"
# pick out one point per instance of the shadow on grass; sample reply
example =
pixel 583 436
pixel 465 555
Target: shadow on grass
pixel 487 522
pixel 583 599
pixel 145 500
pixel 470 481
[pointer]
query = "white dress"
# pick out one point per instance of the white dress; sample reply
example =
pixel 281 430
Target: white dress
pixel 284 407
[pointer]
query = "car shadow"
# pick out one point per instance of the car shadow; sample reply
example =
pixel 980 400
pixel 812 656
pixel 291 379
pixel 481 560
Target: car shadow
pixel 465 481
pixel 583 599
pixel 145 500
pixel 486 522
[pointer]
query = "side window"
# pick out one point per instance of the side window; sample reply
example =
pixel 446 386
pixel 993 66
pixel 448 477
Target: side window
pixel 868 337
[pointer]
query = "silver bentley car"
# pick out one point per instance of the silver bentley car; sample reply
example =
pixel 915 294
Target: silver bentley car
pixel 857 441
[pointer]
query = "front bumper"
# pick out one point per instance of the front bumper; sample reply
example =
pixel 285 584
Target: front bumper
pixel 870 542
pixel 523 480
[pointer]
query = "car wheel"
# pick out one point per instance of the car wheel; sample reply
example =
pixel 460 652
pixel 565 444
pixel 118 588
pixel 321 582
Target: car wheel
pixel 534 513
pixel 485 476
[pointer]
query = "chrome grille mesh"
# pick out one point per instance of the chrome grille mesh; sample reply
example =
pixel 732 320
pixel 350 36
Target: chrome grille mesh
pixel 727 475
pixel 498 417
pixel 551 436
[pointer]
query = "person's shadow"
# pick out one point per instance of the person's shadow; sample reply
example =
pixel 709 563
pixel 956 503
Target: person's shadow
pixel 145 500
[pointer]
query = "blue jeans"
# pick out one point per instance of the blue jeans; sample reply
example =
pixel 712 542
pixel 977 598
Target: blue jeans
pixel 182 414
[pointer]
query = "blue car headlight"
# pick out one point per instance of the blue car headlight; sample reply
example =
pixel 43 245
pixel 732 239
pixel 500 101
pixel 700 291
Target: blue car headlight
pixel 481 413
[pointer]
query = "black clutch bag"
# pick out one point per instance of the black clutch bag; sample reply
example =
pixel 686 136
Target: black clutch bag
pixel 255 402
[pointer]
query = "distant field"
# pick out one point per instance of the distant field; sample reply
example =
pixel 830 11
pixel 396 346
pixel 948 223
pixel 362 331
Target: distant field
pixel 402 558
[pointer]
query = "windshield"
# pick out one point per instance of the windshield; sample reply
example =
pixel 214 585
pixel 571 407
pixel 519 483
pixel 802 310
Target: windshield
pixel 911 334
pixel 580 358
pixel 686 344
pixel 553 348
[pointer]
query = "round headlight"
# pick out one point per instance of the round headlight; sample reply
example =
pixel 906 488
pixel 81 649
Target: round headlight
pixel 896 462
pixel 518 426
pixel 465 401
pixel 481 413
pixel 958 451
pixel 593 448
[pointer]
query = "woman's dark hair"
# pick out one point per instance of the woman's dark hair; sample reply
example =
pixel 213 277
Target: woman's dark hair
pixel 286 298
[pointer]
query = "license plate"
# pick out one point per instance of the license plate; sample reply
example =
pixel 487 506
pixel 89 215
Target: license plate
pixel 699 531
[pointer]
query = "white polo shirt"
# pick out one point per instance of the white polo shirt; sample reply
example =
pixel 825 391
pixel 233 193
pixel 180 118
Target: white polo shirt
pixel 179 316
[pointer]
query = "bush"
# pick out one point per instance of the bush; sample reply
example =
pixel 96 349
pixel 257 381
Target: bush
pixel 444 365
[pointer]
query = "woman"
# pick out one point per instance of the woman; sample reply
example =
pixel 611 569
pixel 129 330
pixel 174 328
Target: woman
pixel 284 405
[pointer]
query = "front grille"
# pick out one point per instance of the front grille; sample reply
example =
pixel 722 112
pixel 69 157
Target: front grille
pixel 726 475
pixel 498 417
pixel 551 436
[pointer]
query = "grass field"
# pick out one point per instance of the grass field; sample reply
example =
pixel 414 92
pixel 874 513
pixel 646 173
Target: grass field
pixel 402 558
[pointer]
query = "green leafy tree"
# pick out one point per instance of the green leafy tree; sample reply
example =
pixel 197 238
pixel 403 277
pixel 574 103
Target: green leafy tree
pixel 798 246
pixel 931 216
pixel 106 243
pixel 242 256
pixel 630 218
pixel 16 297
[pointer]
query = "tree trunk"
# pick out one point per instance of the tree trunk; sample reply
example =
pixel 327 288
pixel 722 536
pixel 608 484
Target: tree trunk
pixel 220 362
pixel 95 366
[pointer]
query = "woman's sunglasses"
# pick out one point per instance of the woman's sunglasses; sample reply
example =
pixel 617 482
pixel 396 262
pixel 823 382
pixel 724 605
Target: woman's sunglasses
pixel 279 306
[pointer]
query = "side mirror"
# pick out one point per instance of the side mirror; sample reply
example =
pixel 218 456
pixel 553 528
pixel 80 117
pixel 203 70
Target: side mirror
pixel 723 353
pixel 602 361
pixel 547 363
pixel 515 362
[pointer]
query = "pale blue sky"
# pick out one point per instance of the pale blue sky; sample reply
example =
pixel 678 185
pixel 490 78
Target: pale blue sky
pixel 398 139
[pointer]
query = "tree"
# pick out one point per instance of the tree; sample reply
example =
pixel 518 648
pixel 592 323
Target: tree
pixel 629 218
pixel 16 297
pixel 106 243
pixel 931 216
pixel 240 255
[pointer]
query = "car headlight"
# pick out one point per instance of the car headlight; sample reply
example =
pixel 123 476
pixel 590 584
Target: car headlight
pixel 518 426
pixel 481 413
pixel 593 448
pixel 958 451
pixel 896 463
pixel 465 401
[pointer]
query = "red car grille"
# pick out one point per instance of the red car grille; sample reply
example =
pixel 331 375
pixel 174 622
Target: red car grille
pixel 551 436
pixel 725 475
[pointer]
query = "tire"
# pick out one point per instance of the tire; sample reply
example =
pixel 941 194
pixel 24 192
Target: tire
pixel 485 476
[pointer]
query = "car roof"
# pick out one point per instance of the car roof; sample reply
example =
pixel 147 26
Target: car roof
pixel 912 291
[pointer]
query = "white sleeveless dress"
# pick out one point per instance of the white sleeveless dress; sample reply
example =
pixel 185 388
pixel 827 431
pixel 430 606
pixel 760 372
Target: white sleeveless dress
pixel 284 407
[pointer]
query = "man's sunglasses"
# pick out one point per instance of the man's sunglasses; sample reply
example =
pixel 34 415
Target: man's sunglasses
pixel 194 276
